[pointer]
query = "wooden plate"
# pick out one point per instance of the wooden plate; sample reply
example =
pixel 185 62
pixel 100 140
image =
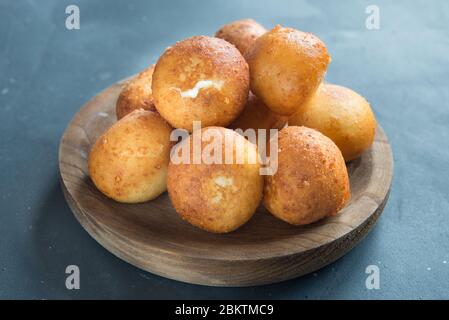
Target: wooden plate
pixel 151 236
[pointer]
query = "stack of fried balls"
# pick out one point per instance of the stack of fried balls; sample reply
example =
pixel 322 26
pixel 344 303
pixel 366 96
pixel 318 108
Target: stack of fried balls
pixel 248 78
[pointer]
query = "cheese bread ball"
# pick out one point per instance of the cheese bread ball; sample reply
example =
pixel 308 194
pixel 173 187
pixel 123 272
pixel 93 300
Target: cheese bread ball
pixel 221 196
pixel 128 163
pixel 200 79
pixel 342 115
pixel 257 115
pixel 311 181
pixel 136 94
pixel 286 67
pixel 241 33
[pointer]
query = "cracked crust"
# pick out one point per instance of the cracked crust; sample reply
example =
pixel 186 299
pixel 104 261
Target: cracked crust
pixel 218 198
pixel 200 58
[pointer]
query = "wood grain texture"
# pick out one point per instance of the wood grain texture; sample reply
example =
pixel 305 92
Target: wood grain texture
pixel 151 235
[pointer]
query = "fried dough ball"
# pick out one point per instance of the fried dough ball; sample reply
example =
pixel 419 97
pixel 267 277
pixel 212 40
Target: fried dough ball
pixel 200 79
pixel 241 33
pixel 286 67
pixel 136 94
pixel 257 116
pixel 311 181
pixel 342 115
pixel 128 163
pixel 221 196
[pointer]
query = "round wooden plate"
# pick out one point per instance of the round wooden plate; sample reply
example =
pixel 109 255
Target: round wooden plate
pixel 151 236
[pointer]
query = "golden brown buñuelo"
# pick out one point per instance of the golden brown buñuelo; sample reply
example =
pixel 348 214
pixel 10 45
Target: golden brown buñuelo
pixel 342 115
pixel 286 67
pixel 128 163
pixel 137 94
pixel 217 197
pixel 241 33
pixel 311 181
pixel 255 116
pixel 200 79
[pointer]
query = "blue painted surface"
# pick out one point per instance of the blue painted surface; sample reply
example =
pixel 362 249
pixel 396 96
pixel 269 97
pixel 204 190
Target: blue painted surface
pixel 48 72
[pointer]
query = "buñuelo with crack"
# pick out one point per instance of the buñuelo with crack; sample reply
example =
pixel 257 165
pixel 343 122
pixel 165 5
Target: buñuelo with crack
pixel 209 80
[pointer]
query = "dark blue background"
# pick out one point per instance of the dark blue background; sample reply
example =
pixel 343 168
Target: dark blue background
pixel 47 72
